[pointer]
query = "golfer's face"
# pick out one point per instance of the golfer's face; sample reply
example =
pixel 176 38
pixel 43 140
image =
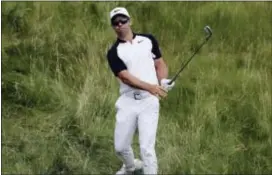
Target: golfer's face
pixel 120 24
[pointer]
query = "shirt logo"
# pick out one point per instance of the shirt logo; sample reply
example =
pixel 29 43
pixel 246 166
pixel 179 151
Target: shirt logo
pixel 140 41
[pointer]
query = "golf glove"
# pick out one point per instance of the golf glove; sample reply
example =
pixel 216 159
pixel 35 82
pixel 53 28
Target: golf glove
pixel 165 85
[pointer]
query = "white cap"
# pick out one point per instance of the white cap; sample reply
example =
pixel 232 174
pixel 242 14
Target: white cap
pixel 119 11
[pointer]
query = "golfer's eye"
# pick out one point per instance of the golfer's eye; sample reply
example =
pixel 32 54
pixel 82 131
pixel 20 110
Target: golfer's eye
pixel 122 21
pixel 115 23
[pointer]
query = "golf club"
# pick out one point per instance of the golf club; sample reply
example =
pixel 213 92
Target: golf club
pixel 208 32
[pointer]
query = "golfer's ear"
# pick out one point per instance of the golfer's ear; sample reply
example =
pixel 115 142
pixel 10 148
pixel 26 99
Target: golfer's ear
pixel 130 22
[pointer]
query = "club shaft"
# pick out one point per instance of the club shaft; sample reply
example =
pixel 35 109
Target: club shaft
pixel 181 69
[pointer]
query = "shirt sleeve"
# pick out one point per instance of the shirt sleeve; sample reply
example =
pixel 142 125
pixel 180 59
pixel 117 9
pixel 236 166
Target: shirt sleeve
pixel 115 63
pixel 155 47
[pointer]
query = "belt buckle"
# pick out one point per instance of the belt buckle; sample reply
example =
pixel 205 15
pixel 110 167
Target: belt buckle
pixel 137 95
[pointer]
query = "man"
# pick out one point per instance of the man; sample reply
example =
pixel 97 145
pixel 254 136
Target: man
pixel 136 61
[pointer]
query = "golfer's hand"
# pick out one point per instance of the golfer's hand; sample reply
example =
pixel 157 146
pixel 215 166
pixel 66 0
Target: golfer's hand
pixel 166 86
pixel 158 91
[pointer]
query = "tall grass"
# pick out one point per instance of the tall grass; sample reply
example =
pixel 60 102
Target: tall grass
pixel 58 93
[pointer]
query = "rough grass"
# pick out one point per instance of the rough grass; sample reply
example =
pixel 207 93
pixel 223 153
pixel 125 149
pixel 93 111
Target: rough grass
pixel 58 93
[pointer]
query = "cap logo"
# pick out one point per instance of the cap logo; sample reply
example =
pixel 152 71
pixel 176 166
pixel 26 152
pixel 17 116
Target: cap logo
pixel 116 10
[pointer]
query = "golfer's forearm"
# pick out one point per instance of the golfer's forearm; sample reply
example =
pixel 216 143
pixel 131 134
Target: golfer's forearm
pixel 135 82
pixel 162 71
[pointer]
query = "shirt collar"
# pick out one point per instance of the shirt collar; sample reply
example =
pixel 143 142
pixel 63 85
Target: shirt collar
pixel 123 41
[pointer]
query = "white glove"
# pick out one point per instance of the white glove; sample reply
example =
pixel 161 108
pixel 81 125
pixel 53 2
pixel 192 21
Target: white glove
pixel 165 85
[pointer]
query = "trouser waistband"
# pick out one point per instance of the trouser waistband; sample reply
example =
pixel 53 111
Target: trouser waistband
pixel 137 95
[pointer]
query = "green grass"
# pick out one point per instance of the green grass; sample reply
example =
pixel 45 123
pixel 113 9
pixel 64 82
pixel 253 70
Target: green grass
pixel 58 93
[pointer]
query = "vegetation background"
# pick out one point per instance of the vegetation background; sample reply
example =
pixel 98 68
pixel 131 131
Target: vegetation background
pixel 58 93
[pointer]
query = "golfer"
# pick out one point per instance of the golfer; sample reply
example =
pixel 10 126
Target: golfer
pixel 135 59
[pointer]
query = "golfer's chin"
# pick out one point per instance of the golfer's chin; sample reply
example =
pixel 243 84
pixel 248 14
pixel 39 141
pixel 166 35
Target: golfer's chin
pixel 121 31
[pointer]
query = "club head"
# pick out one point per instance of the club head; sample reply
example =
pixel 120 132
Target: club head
pixel 208 31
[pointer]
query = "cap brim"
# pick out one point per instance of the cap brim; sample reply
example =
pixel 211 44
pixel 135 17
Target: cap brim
pixel 119 14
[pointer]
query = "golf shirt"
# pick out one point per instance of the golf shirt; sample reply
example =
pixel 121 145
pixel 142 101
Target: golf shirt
pixel 137 57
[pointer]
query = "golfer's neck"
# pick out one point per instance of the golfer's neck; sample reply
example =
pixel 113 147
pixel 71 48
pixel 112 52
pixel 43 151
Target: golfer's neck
pixel 127 37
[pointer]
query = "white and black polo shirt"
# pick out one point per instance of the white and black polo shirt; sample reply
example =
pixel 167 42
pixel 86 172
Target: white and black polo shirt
pixel 136 57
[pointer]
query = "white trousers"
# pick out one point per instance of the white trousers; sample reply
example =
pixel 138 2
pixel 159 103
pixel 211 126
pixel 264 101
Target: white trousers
pixel 142 115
